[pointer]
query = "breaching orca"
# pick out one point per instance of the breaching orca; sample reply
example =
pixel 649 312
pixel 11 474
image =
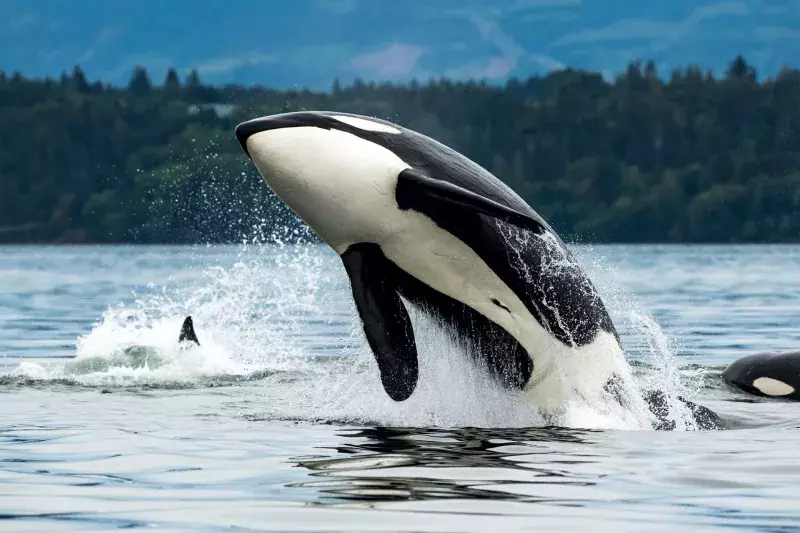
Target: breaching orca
pixel 776 375
pixel 412 218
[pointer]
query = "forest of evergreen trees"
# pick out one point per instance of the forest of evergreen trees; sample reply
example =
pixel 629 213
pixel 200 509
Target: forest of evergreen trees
pixel 647 157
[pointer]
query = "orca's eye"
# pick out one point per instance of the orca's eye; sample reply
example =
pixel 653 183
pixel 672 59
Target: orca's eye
pixel 500 304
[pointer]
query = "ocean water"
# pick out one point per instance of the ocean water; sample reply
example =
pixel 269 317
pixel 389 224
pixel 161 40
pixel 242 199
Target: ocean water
pixel 278 422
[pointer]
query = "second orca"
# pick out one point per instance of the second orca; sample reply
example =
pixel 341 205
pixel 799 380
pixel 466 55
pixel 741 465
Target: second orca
pixel 773 375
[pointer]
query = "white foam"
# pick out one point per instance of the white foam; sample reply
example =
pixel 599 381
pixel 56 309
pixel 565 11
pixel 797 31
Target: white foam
pixel 244 316
pixel 644 337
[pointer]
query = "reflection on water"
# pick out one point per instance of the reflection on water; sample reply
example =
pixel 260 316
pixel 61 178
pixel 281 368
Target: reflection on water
pixel 426 464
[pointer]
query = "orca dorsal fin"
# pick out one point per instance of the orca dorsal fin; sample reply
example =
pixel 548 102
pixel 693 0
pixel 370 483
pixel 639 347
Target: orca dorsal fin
pixel 414 187
pixel 187 332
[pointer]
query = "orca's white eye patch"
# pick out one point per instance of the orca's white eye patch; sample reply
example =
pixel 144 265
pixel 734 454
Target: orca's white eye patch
pixel 773 387
pixel 366 125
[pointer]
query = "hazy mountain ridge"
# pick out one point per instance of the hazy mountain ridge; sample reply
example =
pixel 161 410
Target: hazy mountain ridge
pixel 311 42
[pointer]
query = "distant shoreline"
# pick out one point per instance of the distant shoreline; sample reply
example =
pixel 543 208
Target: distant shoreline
pixel 691 157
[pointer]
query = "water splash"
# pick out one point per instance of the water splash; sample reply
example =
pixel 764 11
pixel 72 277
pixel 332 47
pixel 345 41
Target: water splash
pixel 279 315
pixel 656 368
pixel 452 390
pixel 245 314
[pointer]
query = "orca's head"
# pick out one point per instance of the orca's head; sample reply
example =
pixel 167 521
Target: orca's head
pixel 336 171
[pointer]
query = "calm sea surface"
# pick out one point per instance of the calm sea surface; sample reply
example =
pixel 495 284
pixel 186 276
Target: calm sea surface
pixel 277 422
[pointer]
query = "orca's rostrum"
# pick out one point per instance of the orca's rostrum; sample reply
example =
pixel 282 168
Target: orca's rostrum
pixel 415 219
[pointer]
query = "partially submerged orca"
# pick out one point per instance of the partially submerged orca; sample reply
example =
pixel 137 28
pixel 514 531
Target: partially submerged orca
pixel 415 221
pixel 704 418
pixel 135 357
pixel 187 332
pixel 773 375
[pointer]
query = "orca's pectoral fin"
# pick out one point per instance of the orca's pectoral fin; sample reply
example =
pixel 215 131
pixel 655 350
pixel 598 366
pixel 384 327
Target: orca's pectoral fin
pixel 187 332
pixel 415 188
pixel 385 319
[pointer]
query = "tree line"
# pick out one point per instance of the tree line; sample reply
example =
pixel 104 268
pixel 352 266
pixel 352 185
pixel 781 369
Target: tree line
pixel 687 157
